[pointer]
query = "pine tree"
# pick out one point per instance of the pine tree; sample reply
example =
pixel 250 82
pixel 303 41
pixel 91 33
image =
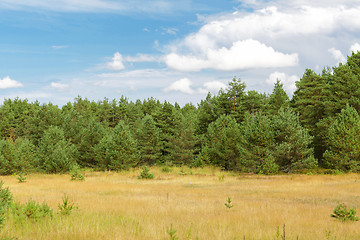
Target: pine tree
pixel 149 141
pixel 56 155
pixel 278 98
pixel 257 143
pixel 344 141
pixel 292 149
pixel 221 144
pixel 117 150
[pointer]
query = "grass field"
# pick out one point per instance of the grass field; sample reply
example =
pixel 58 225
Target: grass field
pixel 120 206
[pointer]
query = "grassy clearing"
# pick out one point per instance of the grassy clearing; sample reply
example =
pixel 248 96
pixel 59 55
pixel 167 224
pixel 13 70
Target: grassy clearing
pixel 121 206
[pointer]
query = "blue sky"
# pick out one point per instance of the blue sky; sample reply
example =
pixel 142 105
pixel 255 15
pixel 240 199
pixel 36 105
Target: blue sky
pixel 56 50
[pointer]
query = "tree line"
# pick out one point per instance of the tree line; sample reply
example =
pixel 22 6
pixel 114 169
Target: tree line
pixel 235 129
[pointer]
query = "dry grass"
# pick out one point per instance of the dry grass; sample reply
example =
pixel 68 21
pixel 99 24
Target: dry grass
pixel 120 206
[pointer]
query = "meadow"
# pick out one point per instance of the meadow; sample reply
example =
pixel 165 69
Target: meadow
pixel 118 205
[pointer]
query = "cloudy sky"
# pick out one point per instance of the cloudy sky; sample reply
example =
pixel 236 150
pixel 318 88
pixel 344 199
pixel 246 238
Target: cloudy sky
pixel 56 50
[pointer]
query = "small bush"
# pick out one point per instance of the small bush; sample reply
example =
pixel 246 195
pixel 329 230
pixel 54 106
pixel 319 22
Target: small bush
pixel 5 201
pixel 145 173
pixel 172 233
pixel 228 203
pixel 34 210
pixel 344 213
pixel 76 174
pixel 66 207
pixel 21 178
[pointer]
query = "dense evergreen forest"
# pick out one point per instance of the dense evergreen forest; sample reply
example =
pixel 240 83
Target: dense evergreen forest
pixel 246 131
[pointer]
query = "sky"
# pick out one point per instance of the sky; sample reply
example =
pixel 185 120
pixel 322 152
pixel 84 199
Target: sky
pixel 178 51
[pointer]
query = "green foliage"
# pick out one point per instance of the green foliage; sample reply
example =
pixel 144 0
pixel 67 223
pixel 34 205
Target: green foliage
pixel 344 141
pixel 344 213
pixel 221 144
pixel 278 98
pixel 21 177
pixel 145 173
pixel 228 203
pixel 292 142
pixel 5 201
pixel 172 233
pixel 76 174
pixel 256 144
pixel 66 207
pixel 55 153
pixel 118 149
pixel 34 210
pixel 17 156
pixel 149 141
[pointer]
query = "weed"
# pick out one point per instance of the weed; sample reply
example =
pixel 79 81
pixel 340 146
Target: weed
pixel 344 213
pixel 5 201
pixel 145 173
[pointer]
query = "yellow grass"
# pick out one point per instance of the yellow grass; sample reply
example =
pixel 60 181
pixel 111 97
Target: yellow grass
pixel 120 206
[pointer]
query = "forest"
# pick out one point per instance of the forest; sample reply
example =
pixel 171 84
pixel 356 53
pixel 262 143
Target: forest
pixel 317 129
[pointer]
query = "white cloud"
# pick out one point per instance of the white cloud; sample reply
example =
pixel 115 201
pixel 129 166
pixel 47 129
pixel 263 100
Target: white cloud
pixel 183 85
pixel 117 62
pixel 213 87
pixel 286 80
pixel 59 86
pixel 355 47
pixel 141 58
pixel 241 55
pixel 7 82
pixel 337 54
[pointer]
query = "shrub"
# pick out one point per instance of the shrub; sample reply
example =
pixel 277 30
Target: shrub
pixel 5 201
pixel 344 213
pixel 21 177
pixel 145 173
pixel 66 207
pixel 75 173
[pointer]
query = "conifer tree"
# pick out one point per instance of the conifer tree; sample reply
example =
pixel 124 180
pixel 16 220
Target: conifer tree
pixel 278 98
pixel 344 141
pixel 149 141
pixel 221 144
pixel 292 149
pixel 56 155
pixel 117 150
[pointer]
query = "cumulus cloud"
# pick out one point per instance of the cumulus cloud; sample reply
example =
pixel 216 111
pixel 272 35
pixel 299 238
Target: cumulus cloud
pixel 355 47
pixel 337 55
pixel 286 80
pixel 7 82
pixel 241 55
pixel 183 85
pixel 59 86
pixel 117 62
pixel 213 87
